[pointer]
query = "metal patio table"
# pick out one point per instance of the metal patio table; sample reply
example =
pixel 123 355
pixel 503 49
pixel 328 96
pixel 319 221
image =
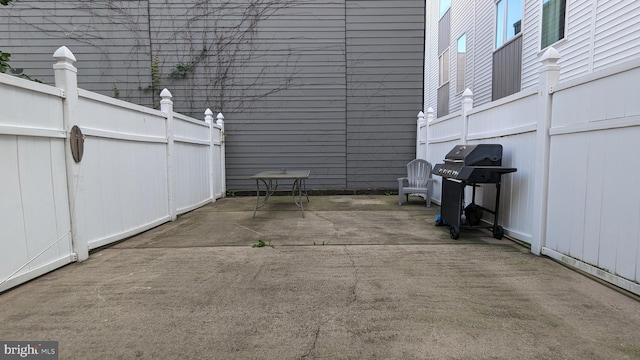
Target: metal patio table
pixel 270 180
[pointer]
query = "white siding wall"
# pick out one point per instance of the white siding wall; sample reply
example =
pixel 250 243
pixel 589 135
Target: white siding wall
pixel 617 36
pixel 462 20
pixel 478 22
pixel 599 34
pixel 531 23
pixel 431 53
pixel 576 47
pixel 483 46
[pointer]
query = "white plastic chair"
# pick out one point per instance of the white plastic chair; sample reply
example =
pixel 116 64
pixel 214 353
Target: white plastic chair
pixel 418 179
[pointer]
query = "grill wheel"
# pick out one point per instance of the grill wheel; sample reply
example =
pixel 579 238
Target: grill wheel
pixel 454 232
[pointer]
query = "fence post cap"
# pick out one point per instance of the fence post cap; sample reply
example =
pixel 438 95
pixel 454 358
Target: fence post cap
pixel 220 116
pixel 165 93
pixel 64 54
pixel 551 54
pixel 467 92
pixel 208 112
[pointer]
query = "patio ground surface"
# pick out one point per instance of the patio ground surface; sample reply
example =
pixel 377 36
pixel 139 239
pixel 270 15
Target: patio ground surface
pixel 360 278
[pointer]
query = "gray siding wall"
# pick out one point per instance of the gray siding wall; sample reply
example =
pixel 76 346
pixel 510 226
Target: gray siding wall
pixel 109 39
pixel 384 57
pixel 303 125
pixel 330 85
pixel 507 69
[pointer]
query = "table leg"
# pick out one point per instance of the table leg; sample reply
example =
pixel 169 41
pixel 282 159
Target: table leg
pixel 270 188
pixel 257 198
pixel 297 187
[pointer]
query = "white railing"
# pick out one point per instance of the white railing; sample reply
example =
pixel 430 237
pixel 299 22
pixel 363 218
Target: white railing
pixel 575 146
pixel 139 168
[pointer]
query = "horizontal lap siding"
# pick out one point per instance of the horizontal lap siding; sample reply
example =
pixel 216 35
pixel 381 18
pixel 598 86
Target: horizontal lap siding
pixel 111 43
pixel 301 126
pixel 384 60
pixel 431 57
pixel 461 23
pixel 530 43
pixel 483 44
pixel 333 86
pixel 616 39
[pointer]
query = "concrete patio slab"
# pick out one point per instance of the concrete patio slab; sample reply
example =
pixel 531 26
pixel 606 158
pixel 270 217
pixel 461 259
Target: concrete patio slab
pixel 358 277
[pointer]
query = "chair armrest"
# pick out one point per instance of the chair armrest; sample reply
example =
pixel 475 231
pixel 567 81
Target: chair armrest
pixel 428 179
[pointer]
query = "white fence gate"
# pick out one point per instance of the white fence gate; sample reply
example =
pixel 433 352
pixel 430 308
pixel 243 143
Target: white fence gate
pixel 35 230
pixel 140 167
pixel 575 145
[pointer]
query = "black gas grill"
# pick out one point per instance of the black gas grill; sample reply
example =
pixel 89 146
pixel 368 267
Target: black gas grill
pixel 470 165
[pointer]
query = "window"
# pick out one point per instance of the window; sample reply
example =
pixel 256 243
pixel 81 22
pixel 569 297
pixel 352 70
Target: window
pixel 444 6
pixel 508 20
pixel 553 18
pixel 444 68
pixel 461 63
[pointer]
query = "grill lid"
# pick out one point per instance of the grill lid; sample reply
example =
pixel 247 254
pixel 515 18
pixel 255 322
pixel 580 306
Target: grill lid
pixel 475 155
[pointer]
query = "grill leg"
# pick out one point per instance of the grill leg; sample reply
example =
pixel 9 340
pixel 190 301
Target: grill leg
pixel 498 231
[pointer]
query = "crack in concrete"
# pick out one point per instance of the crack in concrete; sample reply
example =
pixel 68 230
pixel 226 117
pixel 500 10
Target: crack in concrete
pixel 333 224
pixel 354 298
pixel 315 341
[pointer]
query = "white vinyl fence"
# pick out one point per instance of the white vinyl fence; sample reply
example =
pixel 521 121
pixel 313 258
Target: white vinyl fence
pixel 139 168
pixel 575 145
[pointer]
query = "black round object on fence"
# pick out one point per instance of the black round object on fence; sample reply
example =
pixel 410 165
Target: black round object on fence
pixel 77 143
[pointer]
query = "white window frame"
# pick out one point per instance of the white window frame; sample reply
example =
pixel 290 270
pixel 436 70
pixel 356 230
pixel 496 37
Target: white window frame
pixel 444 67
pixel 503 20
pixel 564 36
pixel 444 6
pixel 461 76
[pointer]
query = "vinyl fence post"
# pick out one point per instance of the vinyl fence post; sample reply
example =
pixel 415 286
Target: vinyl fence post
pixel 430 118
pixel 223 172
pixel 467 105
pixel 420 138
pixel 548 77
pixel 66 78
pixel 208 118
pixel 166 106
